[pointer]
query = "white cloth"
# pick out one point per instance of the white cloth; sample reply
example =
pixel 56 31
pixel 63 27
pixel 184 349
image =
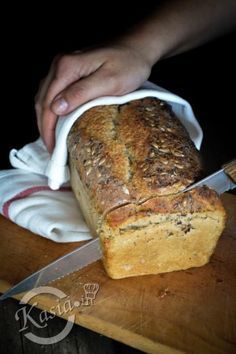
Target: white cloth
pixel 56 168
pixel 26 199
pixel 24 193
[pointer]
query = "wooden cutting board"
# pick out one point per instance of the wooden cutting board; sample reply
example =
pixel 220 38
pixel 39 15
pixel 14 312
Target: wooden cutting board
pixel 186 311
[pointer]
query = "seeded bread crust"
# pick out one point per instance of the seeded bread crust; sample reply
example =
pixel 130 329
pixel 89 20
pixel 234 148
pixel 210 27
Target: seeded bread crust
pixel 131 152
pixel 129 165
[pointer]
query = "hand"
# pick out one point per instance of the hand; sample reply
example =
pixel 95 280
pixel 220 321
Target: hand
pixel 123 66
pixel 82 76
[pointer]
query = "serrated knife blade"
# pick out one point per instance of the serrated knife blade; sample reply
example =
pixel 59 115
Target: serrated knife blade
pixel 221 181
pixel 69 263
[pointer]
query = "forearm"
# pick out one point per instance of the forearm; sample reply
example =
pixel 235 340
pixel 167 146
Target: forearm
pixel 124 64
pixel 179 25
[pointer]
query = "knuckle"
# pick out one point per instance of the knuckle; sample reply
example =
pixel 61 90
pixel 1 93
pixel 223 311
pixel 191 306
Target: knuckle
pixel 76 93
pixel 115 84
pixel 114 79
pixel 64 61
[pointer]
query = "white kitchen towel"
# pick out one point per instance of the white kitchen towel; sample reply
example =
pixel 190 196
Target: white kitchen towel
pixel 35 194
pixel 56 169
pixel 26 199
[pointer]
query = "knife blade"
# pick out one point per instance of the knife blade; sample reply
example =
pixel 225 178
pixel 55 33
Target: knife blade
pixel 221 181
pixel 69 263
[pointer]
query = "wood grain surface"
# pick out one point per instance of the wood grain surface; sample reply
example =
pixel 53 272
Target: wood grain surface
pixel 191 311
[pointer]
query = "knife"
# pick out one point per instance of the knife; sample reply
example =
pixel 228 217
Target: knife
pixel 221 181
pixel 69 263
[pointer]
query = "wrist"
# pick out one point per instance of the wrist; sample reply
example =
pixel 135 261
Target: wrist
pixel 147 48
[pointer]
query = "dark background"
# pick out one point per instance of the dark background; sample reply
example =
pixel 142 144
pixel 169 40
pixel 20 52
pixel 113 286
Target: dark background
pixel 204 76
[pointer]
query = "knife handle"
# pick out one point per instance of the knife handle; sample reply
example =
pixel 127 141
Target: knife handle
pixel 230 169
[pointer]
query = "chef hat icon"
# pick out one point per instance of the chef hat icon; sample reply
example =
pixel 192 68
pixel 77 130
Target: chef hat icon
pixel 90 290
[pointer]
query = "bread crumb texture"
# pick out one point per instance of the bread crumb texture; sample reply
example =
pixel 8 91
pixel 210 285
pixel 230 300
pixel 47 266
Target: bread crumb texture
pixel 129 164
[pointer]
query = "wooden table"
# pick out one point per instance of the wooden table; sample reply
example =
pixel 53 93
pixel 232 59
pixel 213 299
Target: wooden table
pixel 186 311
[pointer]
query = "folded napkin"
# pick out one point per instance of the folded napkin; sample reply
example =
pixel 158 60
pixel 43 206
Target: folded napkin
pixel 26 199
pixel 36 194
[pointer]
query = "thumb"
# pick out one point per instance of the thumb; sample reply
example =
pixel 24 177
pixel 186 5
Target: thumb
pixel 81 91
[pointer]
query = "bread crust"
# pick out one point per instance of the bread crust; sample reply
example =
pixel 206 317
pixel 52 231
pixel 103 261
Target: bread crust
pixel 129 166
pixel 131 152
pixel 198 200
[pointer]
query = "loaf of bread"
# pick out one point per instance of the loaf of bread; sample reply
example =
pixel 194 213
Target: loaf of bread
pixel 129 166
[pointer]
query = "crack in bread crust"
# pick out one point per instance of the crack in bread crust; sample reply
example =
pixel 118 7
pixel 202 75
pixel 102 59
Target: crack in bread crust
pixel 129 165
pixel 132 152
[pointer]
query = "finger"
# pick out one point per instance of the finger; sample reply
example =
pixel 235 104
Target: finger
pixel 47 127
pixel 50 117
pixel 39 100
pixel 96 85
pixel 68 69
pixel 46 119
pixel 44 84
